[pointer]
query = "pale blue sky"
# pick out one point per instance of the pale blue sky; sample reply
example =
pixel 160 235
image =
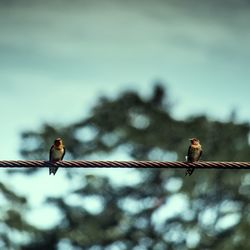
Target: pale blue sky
pixel 58 57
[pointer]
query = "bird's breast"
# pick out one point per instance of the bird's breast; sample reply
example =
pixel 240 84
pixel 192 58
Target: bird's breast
pixel 57 154
pixel 196 153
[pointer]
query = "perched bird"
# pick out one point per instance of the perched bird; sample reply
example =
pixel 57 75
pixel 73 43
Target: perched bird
pixel 56 153
pixel 194 153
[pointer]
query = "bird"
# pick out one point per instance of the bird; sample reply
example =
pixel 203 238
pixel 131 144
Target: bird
pixel 194 153
pixel 56 153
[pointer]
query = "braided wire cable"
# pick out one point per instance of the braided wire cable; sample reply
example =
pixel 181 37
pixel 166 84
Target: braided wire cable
pixel 126 164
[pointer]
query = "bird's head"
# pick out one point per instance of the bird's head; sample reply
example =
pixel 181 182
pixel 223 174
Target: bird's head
pixel 194 141
pixel 58 142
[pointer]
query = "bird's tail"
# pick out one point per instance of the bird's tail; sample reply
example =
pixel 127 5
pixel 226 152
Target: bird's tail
pixel 189 171
pixel 53 170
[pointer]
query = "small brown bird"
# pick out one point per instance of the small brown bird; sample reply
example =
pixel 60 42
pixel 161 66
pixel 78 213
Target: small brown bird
pixel 194 153
pixel 56 153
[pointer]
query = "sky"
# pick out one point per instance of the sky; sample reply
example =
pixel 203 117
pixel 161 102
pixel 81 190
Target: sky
pixel 58 57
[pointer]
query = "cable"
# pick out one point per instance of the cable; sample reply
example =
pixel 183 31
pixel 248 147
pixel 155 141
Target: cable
pixel 126 164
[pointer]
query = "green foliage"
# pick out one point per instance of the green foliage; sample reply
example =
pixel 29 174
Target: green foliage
pixel 164 209
pixel 12 222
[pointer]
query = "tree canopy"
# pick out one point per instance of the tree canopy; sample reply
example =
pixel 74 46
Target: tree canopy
pixel 164 209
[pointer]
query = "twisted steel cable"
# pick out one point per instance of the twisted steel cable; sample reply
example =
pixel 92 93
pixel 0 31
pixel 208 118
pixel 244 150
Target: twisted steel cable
pixel 126 164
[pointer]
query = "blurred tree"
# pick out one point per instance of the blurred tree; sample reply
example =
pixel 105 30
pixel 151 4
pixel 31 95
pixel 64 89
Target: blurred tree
pixel 165 209
pixel 12 223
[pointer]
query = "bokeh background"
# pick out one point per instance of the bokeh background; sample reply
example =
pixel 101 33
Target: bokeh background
pixel 123 80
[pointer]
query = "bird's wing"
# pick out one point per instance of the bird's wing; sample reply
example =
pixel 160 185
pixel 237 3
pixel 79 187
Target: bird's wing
pixel 190 155
pixel 189 151
pixel 50 152
pixel 63 152
pixel 200 154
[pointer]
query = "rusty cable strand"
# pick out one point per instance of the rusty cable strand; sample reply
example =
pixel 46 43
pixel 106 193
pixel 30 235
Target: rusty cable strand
pixel 126 164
